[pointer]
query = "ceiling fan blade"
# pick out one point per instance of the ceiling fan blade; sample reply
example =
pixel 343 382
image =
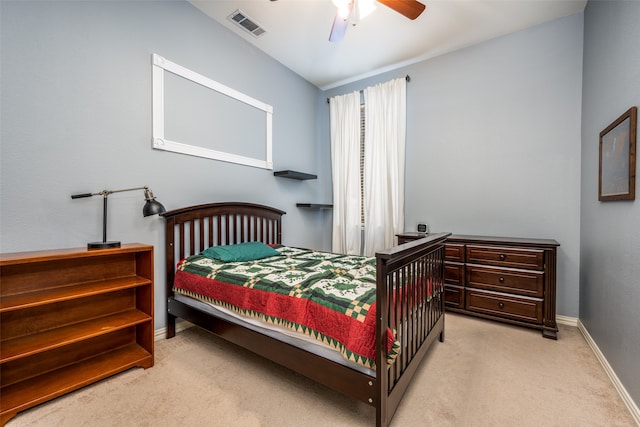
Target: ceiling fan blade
pixel 340 23
pixel 409 8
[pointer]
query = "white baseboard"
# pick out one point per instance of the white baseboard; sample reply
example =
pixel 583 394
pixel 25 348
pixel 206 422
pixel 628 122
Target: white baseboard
pixel 181 325
pixel 631 405
pixel 566 320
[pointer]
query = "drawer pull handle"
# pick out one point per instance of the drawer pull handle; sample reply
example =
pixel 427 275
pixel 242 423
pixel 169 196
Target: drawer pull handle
pixel 501 304
pixel 501 280
pixel 502 257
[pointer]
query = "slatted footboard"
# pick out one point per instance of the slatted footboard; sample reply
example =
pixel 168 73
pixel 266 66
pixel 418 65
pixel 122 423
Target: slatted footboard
pixel 410 287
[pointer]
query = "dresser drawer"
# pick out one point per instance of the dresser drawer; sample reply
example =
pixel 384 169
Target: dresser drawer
pixel 453 252
pixel 522 282
pixel 497 304
pixel 454 273
pixel 532 259
pixel 454 296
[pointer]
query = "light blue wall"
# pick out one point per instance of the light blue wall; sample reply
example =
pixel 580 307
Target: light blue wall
pixel 493 141
pixel 610 231
pixel 76 118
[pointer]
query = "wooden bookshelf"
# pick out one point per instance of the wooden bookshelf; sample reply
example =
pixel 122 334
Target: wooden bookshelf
pixel 71 317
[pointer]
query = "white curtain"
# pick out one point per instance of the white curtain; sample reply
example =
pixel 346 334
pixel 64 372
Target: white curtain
pixel 345 160
pixel 385 131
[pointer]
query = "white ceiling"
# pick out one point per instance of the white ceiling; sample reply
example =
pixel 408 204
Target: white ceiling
pixel 298 32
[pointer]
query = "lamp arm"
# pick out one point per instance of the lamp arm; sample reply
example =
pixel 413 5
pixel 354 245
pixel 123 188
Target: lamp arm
pixel 126 189
pixel 106 193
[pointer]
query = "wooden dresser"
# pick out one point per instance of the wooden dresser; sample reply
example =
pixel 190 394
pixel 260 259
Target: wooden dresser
pixel 71 317
pixel 512 280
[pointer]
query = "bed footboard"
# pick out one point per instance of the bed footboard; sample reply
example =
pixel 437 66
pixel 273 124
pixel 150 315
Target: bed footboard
pixel 410 301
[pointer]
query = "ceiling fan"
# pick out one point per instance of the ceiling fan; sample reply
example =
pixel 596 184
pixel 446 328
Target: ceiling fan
pixel 409 8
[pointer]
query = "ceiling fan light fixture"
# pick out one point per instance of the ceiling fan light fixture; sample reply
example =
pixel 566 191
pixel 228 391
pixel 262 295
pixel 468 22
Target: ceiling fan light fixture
pixel 344 7
pixel 364 8
pixel 341 4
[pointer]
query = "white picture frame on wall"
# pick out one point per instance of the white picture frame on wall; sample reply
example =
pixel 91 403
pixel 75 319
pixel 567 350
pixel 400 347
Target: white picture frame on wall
pixel 161 66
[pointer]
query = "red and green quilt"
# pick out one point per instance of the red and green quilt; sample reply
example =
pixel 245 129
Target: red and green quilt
pixel 329 297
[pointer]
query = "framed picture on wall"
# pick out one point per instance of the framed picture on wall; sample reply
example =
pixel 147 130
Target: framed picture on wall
pixel 617 175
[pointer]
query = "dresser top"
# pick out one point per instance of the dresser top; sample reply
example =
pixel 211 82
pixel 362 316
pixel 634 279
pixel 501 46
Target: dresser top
pixel 519 241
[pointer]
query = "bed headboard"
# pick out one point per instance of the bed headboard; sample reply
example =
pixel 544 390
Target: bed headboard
pixel 192 229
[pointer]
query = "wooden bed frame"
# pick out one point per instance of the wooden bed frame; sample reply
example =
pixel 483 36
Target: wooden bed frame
pixel 418 321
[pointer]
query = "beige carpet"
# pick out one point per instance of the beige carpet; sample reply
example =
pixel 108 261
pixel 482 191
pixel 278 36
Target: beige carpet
pixel 484 374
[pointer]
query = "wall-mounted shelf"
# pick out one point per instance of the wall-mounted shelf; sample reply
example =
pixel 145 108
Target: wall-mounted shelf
pixel 294 175
pixel 316 206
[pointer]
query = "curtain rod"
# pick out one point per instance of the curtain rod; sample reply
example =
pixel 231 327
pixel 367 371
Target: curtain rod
pixel 407 78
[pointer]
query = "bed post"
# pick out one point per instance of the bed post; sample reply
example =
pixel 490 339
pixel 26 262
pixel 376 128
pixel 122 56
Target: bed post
pixel 170 269
pixel 382 323
pixel 403 303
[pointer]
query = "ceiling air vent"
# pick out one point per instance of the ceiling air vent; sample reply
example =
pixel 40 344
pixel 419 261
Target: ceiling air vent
pixel 249 25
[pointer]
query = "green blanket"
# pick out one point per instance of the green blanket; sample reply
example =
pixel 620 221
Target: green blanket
pixel 329 297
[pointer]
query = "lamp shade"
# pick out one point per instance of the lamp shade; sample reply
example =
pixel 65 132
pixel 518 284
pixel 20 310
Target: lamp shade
pixel 152 207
